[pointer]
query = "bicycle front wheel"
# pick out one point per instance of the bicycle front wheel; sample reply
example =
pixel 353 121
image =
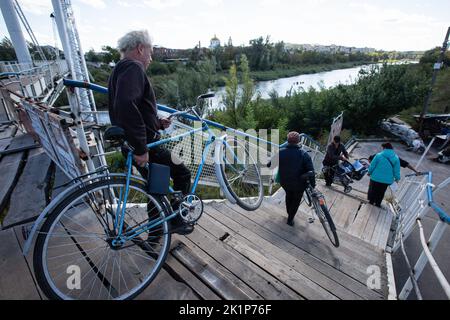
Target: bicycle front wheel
pixel 241 174
pixel 77 255
pixel 326 221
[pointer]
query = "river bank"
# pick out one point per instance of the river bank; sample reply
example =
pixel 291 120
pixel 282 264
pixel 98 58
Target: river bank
pixel 307 69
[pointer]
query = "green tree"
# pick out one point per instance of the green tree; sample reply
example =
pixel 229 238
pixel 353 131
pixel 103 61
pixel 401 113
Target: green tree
pixel 110 54
pixel 7 52
pixel 238 104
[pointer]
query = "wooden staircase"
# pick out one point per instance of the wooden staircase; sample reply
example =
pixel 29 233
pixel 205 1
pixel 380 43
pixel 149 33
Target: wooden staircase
pixel 232 254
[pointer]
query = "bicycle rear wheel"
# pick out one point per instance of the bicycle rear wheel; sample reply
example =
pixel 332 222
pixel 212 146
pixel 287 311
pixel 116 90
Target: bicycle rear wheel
pixel 75 256
pixel 326 221
pixel 241 175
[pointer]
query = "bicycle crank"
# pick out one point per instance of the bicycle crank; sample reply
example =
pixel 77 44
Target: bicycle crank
pixel 191 209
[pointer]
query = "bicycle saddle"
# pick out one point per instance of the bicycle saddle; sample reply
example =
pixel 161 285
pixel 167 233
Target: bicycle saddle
pixel 114 134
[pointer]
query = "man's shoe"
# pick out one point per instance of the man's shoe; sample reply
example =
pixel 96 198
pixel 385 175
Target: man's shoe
pixel 183 229
pixel 290 222
pixel 180 227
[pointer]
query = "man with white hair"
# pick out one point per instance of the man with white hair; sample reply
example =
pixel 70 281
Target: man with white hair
pixel 132 106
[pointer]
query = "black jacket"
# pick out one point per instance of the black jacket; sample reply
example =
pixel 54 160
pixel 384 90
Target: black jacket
pixel 132 104
pixel 293 162
pixel 333 154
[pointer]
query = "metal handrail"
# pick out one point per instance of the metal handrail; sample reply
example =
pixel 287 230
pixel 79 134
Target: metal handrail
pixel 439 275
pixel 101 89
pixel 442 214
pixel 426 188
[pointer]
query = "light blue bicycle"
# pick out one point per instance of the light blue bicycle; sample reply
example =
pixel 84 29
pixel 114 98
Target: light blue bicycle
pixel 109 235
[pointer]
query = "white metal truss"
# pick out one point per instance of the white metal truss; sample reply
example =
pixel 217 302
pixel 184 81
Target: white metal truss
pixel 29 30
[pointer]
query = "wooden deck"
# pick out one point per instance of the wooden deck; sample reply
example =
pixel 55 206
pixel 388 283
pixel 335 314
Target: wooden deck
pixel 232 254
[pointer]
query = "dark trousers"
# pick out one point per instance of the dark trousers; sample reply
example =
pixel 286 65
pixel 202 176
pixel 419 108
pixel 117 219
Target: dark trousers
pixel 376 192
pixel 179 173
pixel 293 199
pixel 329 175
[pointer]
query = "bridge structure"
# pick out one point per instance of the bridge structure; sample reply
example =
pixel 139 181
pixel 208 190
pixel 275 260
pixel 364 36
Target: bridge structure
pixel 232 254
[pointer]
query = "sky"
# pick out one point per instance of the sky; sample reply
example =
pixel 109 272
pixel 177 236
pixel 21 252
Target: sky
pixel 400 25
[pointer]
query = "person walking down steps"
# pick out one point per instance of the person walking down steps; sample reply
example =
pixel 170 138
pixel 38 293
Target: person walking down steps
pixel 383 171
pixel 292 162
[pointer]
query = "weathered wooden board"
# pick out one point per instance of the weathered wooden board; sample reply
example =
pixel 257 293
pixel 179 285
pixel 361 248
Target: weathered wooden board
pixel 200 288
pixel 208 273
pixel 363 216
pixel 4 144
pixel 316 234
pixel 260 250
pixel 165 287
pixel 263 283
pixel 9 172
pixel 7 131
pixel 29 195
pixel 16 282
pixel 280 247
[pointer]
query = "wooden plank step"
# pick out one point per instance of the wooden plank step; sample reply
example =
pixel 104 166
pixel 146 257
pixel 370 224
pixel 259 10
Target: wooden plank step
pixel 219 282
pixel 273 238
pixel 291 277
pixel 313 241
pixel 265 285
pixel 165 287
pixel 28 198
pixel 302 285
pixel 358 227
pixel 16 282
pixel 7 131
pixel 384 235
pixel 10 168
pixel 366 252
pixel 275 249
pixel 4 144
pixel 199 287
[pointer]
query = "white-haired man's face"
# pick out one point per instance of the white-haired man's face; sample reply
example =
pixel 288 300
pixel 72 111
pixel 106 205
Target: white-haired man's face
pixel 142 53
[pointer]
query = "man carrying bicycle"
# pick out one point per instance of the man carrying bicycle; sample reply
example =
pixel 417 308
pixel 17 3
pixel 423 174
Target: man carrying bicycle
pixel 293 162
pixel 132 106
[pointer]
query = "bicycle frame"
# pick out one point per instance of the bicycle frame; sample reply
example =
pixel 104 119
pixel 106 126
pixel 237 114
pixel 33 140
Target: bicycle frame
pixel 121 207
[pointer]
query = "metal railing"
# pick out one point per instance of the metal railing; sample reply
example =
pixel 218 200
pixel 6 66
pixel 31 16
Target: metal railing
pixel 412 201
pixel 33 81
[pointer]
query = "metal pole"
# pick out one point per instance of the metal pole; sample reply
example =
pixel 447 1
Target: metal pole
pixel 73 97
pixel 15 32
pixel 436 68
pixel 433 241
pixel 424 153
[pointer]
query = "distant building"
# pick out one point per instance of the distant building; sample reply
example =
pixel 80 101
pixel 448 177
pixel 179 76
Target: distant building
pixel 214 43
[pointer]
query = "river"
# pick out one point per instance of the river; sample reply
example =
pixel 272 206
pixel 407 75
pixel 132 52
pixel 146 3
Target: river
pixel 282 86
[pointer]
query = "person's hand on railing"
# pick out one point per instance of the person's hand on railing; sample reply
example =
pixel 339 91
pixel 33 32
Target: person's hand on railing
pixel 416 174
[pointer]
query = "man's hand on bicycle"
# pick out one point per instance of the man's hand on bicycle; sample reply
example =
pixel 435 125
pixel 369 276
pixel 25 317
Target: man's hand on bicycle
pixel 141 160
pixel 165 123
